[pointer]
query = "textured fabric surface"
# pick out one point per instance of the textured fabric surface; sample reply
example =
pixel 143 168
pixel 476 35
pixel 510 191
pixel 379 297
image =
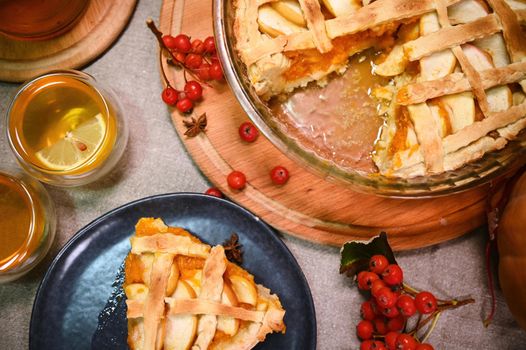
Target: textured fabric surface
pixel 156 162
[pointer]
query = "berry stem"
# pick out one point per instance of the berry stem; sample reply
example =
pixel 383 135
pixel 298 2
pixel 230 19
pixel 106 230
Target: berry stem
pixel 165 78
pixel 432 327
pixel 159 35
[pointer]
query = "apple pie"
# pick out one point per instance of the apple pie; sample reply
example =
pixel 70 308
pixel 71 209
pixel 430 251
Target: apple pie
pixel 184 294
pixel 456 69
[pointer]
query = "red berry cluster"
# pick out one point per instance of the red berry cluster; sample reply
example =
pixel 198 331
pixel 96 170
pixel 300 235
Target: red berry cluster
pixel 385 314
pixel 197 57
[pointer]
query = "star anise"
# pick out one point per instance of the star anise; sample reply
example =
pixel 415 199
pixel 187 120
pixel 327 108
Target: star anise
pixel 233 250
pixel 194 127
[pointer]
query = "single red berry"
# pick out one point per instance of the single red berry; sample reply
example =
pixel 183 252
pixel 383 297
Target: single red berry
pixel 380 326
pixel 406 305
pixel 396 323
pixel 364 329
pixel 180 57
pixel 279 175
pixel 425 302
pixel 185 105
pixel 198 46
pixel 393 275
pixel 385 297
pixel 212 191
pixel 248 132
pixel 424 346
pixel 236 180
pixel 376 286
pixel 390 339
pixel 216 72
pixel 367 311
pixel 366 279
pixel 214 57
pixel 193 90
pixel 169 96
pixel 210 45
pixel 203 72
pixel 367 345
pixel 193 61
pixel 390 312
pixel 182 43
pixel 169 41
pixel 405 342
pixel 378 264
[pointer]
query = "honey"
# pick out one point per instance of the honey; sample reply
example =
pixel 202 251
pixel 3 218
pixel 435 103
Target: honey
pixel 22 222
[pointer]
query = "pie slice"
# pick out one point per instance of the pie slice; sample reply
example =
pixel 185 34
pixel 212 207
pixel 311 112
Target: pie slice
pixel 184 294
pixel 456 69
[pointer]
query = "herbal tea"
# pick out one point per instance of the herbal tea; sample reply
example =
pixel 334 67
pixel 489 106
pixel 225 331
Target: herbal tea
pixel 22 222
pixel 62 124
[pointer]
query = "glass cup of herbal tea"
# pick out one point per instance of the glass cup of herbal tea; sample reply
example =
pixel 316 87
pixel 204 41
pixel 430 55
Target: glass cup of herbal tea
pixel 66 129
pixel 27 223
pixel 39 19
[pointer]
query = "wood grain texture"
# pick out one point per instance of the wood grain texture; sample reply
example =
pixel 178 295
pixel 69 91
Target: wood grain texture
pixel 308 206
pixel 99 27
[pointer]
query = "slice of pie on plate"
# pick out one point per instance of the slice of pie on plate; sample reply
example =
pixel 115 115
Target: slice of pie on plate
pixel 184 294
pixel 456 69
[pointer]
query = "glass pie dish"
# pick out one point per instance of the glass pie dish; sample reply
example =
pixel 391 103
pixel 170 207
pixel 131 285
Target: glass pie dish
pixel 317 143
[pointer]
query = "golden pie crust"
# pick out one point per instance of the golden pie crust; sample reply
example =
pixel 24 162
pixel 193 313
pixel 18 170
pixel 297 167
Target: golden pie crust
pixel 184 294
pixel 465 98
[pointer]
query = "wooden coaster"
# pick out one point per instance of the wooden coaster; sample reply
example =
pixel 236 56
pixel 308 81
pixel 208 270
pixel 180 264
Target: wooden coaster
pixel 98 28
pixel 308 206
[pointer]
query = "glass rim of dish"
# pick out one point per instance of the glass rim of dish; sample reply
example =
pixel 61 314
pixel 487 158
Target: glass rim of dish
pixel 469 176
pixel 78 75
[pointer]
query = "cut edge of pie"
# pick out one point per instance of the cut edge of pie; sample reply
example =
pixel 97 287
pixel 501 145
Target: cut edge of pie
pixel 184 294
pixel 467 98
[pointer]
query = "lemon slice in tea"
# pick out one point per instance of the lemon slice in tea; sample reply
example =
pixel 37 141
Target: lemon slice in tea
pixel 76 147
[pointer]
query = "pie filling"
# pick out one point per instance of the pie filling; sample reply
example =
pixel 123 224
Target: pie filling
pixel 184 294
pixel 454 72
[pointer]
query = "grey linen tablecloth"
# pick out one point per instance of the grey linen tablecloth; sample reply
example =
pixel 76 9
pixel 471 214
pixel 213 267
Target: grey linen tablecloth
pixel 155 152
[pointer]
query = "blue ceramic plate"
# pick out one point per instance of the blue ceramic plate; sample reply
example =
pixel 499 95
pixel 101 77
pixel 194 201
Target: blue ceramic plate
pixel 83 280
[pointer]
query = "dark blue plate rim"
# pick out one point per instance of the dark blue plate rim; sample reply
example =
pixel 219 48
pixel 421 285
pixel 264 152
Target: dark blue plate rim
pixel 86 229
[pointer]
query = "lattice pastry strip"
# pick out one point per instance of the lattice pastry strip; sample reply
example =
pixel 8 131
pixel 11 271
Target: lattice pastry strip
pixel 183 294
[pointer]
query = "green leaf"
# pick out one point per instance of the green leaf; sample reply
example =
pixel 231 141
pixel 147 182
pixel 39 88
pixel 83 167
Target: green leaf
pixel 355 255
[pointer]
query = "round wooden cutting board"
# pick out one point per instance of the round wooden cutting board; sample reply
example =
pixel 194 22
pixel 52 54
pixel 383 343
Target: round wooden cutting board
pixel 307 206
pixel 98 28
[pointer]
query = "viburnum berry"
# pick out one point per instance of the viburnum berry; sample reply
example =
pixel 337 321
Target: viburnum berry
pixel 424 346
pixel 169 41
pixel 393 275
pixel 180 57
pixel 193 61
pixel 203 72
pixel 376 286
pixel 184 105
pixel 248 132
pixel 378 263
pixel 425 302
pixel 405 342
pixel 385 297
pixel 380 326
pixel 390 339
pixel 396 323
pixel 364 329
pixel 367 311
pixel 279 175
pixel 198 46
pixel 366 279
pixel 390 312
pixel 406 305
pixel 170 96
pixel 193 90
pixel 182 43
pixel 372 345
pixel 212 191
pixel 236 180
pixel 210 45
pixel 216 72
